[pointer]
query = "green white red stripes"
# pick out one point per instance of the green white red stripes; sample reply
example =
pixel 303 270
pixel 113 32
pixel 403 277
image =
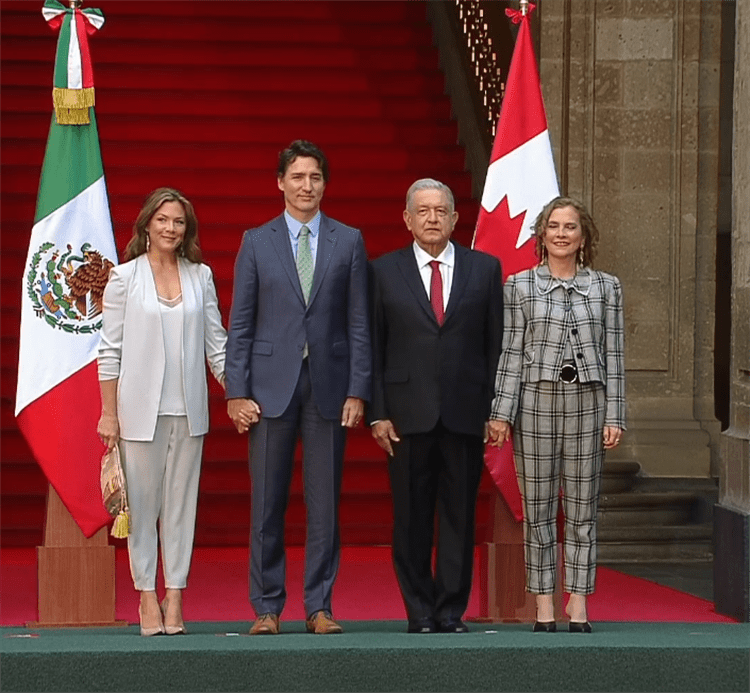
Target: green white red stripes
pixel 73 62
pixel 57 398
pixel 73 82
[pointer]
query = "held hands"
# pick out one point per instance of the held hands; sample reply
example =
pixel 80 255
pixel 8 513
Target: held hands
pixel 497 432
pixel 243 412
pixel 108 430
pixel 385 435
pixel 351 414
pixel 612 435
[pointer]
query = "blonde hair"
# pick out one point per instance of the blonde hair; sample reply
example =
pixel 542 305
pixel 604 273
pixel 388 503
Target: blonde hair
pixel 588 228
pixel 138 244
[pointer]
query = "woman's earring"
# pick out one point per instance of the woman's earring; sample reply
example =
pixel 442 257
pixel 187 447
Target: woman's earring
pixel 148 242
pixel 580 255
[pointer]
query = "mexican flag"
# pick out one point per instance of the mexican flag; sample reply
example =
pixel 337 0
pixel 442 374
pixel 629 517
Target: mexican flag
pixel 71 251
pixel 520 181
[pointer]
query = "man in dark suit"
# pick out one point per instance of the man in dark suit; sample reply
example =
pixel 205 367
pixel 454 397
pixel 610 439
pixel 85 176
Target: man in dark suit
pixel 437 321
pixel 298 365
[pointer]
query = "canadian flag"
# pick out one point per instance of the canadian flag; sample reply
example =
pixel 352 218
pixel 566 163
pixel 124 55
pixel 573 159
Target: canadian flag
pixel 521 179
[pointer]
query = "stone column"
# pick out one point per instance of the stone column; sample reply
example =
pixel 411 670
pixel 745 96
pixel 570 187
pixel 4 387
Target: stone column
pixel 731 515
pixel 632 93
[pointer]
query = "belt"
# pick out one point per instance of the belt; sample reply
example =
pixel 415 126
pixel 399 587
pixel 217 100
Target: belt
pixel 569 373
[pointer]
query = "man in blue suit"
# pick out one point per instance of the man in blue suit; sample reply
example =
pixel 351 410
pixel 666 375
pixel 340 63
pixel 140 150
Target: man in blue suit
pixel 298 366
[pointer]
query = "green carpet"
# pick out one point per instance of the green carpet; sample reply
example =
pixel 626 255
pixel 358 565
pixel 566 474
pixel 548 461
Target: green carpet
pixel 380 656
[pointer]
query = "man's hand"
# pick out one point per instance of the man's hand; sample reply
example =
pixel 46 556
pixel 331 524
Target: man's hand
pixel 351 414
pixel 385 435
pixel 498 432
pixel 243 412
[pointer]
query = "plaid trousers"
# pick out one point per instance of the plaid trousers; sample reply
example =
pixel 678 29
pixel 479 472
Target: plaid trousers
pixel 558 438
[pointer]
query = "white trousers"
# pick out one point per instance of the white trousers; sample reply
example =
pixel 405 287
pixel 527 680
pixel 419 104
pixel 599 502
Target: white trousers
pixel 162 484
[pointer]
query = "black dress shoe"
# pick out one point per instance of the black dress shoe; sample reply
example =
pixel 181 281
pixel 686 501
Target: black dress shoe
pixel 452 625
pixel 422 625
pixel 544 627
pixel 578 627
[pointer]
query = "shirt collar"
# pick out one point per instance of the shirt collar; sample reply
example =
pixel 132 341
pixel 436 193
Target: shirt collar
pixel 294 226
pixel 447 257
pixel 545 282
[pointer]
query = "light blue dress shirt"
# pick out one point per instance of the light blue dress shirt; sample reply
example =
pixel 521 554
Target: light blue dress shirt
pixel 294 227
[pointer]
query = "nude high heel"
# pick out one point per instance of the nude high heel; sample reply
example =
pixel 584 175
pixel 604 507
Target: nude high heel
pixel 156 630
pixel 178 629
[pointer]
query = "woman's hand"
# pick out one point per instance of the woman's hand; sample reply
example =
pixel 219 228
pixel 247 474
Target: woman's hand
pixel 108 430
pixel 244 413
pixel 498 432
pixel 612 435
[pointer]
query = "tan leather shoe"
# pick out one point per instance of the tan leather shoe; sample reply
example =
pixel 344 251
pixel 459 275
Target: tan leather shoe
pixel 322 622
pixel 266 624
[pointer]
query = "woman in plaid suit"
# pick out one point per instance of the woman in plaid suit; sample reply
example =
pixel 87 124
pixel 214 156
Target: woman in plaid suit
pixel 561 387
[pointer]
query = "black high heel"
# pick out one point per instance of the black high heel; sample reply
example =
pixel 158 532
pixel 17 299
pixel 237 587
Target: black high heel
pixel 544 627
pixel 578 627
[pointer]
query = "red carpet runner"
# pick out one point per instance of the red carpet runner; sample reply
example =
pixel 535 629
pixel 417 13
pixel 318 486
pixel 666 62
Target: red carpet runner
pixel 366 590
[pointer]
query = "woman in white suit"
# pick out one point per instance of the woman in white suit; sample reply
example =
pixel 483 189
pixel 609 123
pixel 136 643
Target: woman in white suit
pixel 161 323
pixel 561 386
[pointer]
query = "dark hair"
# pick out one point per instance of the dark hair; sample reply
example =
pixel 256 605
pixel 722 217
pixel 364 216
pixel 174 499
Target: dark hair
pixel 588 228
pixel 301 148
pixel 138 243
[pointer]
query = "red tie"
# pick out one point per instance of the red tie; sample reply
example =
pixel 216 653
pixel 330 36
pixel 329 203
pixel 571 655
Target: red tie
pixel 436 292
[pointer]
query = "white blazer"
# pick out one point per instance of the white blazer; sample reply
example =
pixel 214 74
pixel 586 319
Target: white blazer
pixel 132 345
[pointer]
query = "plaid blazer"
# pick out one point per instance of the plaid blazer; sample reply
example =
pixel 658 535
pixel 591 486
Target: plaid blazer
pixel 540 315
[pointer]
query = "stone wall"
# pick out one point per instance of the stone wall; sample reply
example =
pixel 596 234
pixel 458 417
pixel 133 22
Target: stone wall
pixel 632 95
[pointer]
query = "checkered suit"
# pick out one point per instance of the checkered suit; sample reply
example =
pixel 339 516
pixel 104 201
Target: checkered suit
pixel 558 427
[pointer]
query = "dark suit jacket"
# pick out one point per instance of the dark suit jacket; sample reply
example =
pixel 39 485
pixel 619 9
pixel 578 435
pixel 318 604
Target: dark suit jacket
pixel 270 323
pixel 422 371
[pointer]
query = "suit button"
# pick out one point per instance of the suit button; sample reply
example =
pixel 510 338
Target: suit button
pixel 579 356
pixel 574 331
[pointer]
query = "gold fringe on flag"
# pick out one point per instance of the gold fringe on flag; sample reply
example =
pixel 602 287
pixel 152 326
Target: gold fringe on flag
pixel 72 105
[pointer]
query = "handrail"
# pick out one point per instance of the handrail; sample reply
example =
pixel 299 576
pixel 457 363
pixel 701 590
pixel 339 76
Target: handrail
pixel 475 44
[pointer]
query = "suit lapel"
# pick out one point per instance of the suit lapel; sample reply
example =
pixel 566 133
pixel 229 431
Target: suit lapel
pixel 283 246
pixel 460 279
pixel 407 265
pixel 327 238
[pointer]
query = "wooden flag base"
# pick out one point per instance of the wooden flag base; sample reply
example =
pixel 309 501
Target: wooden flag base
pixel 502 574
pixel 76 575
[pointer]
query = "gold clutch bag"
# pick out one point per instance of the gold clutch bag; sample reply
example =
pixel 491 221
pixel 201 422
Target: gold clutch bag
pixel 114 494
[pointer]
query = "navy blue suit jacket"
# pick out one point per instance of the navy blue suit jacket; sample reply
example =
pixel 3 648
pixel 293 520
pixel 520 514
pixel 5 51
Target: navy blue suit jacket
pixel 270 323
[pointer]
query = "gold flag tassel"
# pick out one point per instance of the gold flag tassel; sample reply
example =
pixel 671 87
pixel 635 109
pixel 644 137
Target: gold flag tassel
pixel 72 105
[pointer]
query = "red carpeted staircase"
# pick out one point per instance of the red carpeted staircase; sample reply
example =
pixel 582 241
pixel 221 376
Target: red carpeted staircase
pixel 202 96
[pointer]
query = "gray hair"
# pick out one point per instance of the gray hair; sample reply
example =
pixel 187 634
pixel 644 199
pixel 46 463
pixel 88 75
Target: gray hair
pixel 430 184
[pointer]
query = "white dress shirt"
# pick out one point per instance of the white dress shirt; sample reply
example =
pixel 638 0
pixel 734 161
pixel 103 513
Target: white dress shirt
pixel 446 259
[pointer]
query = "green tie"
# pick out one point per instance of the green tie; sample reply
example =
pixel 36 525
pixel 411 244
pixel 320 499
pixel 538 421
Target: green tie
pixel 305 262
